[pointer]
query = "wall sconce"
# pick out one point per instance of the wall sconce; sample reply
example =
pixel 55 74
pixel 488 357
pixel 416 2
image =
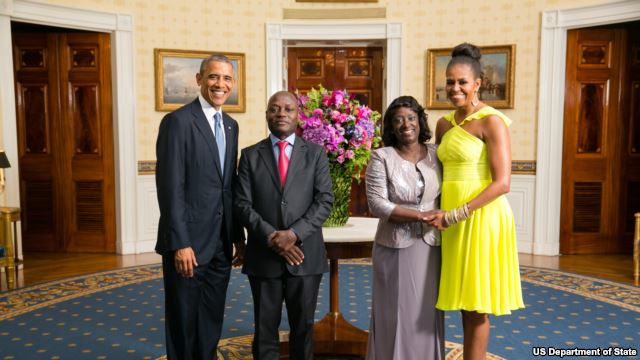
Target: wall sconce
pixel 4 163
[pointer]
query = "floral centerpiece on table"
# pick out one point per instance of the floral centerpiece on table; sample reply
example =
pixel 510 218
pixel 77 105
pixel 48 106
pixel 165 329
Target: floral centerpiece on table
pixel 347 131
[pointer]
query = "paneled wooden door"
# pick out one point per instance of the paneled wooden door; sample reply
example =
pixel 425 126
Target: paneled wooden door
pixel 65 140
pixel 359 70
pixel 601 162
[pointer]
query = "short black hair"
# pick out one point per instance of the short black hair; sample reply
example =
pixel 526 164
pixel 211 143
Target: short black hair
pixel 388 137
pixel 468 54
pixel 216 58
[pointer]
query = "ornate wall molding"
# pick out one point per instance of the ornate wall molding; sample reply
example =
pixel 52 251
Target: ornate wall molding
pixel 335 14
pixel 553 48
pixel 120 26
pixel 520 167
pixel 277 33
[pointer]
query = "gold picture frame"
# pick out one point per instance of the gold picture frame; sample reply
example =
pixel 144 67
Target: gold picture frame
pixel 175 75
pixel 336 1
pixel 498 83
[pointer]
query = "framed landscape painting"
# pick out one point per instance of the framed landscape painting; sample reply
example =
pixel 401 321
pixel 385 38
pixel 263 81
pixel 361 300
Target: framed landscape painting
pixel 175 74
pixel 498 66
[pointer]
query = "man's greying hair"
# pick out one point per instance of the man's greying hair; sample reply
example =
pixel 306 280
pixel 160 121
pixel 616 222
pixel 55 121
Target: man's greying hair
pixel 214 57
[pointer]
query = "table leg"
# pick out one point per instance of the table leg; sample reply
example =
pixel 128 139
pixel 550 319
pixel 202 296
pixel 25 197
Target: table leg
pixel 636 251
pixel 10 268
pixel 333 334
pixel 334 287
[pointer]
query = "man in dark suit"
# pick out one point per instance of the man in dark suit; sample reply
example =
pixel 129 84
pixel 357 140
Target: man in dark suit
pixel 283 195
pixel 196 153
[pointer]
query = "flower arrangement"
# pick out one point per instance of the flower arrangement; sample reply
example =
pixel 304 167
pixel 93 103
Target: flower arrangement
pixel 347 131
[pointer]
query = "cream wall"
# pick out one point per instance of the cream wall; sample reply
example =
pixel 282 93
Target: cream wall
pixel 241 28
pixel 238 26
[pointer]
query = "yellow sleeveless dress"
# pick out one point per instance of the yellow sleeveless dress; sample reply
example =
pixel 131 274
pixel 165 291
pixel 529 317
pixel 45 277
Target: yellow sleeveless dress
pixel 480 269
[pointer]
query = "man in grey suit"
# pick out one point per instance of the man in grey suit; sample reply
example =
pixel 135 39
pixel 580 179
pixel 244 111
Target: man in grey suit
pixel 196 151
pixel 283 195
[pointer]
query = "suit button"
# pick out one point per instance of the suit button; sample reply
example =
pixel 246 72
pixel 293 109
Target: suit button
pixel 283 203
pixel 219 212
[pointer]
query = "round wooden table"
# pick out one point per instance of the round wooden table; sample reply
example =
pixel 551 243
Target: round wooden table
pixel 333 335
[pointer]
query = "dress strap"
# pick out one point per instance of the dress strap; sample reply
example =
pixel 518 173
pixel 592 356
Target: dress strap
pixel 450 117
pixel 482 113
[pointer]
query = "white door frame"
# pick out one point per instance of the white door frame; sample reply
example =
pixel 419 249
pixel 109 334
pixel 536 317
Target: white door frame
pixel 278 33
pixel 120 26
pixel 553 51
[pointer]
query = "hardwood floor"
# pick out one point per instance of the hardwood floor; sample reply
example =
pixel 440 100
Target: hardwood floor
pixel 43 267
pixel 616 267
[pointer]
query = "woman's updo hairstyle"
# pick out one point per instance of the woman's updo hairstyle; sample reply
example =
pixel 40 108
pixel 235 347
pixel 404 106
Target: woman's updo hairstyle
pixel 468 54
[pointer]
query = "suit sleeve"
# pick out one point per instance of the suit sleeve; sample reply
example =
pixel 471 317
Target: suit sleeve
pixel 322 204
pixel 170 182
pixel 377 188
pixel 243 203
pixel 238 230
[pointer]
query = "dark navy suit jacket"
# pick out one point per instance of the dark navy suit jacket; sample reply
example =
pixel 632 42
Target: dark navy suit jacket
pixel 195 197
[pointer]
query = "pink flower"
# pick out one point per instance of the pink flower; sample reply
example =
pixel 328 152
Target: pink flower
pixel 364 113
pixel 336 121
pixel 338 96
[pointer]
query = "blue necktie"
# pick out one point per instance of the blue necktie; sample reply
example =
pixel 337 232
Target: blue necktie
pixel 217 118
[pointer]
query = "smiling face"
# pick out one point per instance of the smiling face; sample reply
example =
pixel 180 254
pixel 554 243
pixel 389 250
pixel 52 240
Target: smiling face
pixel 282 114
pixel 462 85
pixel 406 126
pixel 216 82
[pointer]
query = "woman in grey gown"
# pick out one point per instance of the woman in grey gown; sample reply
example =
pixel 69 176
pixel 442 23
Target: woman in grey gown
pixel 403 190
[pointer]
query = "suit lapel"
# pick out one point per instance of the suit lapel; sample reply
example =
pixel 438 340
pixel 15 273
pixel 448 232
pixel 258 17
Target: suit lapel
pixel 205 129
pixel 266 153
pixel 296 163
pixel 229 136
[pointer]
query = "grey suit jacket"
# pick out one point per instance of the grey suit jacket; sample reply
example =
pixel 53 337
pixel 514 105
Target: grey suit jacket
pixel 392 181
pixel 263 206
pixel 194 195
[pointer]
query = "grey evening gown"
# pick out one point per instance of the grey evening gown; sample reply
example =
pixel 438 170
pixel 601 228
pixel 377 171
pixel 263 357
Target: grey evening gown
pixel 405 325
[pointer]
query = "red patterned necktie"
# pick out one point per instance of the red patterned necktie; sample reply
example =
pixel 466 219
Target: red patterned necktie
pixel 283 162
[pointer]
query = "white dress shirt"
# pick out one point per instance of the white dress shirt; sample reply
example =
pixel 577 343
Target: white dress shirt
pixel 209 112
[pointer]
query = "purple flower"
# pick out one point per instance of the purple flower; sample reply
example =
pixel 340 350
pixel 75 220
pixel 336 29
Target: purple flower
pixel 316 135
pixel 368 127
pixel 355 135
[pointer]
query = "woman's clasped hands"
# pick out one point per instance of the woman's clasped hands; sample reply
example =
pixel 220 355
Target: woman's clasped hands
pixel 434 218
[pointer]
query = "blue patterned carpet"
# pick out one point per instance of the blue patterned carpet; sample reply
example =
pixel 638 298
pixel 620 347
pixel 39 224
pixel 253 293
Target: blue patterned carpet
pixel 119 315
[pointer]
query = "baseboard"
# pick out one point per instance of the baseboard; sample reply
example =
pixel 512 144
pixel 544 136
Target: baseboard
pixel 148 216
pixel 550 249
pixel 521 197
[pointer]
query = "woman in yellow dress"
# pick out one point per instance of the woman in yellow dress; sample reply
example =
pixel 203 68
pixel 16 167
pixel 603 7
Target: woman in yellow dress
pixel 480 272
